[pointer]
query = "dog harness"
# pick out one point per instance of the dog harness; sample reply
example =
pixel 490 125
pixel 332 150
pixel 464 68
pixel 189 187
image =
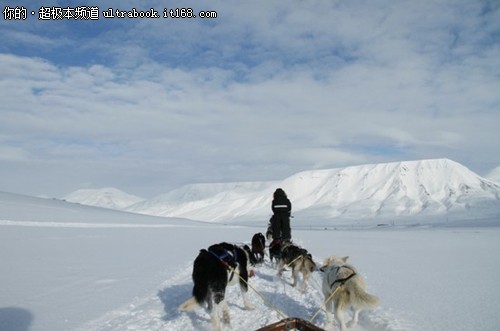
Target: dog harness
pixel 226 257
pixel 332 279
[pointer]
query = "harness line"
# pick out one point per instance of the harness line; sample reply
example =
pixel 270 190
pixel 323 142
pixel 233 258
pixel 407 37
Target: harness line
pixel 233 271
pixel 324 304
pixel 289 264
pixel 342 282
pixel 283 315
pixel 263 297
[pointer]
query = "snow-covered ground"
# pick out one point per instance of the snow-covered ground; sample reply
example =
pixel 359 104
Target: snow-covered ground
pixel 70 267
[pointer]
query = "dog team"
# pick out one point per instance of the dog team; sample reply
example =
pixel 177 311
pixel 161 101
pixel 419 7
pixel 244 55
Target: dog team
pixel 224 264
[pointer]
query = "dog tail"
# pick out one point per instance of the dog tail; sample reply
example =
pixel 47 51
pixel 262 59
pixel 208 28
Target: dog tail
pixel 189 304
pixel 365 299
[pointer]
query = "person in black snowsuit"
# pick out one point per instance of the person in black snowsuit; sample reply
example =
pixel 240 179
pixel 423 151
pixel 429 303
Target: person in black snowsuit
pixel 282 209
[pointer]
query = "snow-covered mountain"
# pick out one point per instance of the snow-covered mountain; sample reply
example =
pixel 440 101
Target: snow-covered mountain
pixel 494 175
pixel 111 198
pixel 425 187
pixel 209 202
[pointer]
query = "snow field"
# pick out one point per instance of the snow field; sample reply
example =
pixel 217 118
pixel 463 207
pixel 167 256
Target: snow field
pixel 70 267
pixel 273 297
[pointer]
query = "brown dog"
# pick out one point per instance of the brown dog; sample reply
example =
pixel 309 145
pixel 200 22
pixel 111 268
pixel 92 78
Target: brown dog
pixel 299 260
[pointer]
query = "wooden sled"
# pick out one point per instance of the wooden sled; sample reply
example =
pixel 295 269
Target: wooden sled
pixel 289 324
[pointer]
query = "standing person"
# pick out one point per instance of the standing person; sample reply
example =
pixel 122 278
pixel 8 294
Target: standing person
pixel 282 209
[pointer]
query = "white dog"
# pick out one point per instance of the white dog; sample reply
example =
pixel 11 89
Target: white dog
pixel 343 288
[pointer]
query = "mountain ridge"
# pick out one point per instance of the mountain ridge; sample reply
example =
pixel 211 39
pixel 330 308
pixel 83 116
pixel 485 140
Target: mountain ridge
pixel 494 175
pixel 107 197
pixel 407 188
pixel 400 188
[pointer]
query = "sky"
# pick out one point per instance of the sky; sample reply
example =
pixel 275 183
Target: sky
pixel 260 92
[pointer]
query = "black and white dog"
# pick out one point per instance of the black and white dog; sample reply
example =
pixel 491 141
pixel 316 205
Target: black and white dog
pixel 258 247
pixel 214 269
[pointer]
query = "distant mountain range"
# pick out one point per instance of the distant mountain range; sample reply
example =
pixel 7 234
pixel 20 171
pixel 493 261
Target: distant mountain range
pixel 411 188
pixel 111 198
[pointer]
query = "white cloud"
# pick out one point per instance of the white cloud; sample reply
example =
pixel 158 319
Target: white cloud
pixel 9 154
pixel 265 90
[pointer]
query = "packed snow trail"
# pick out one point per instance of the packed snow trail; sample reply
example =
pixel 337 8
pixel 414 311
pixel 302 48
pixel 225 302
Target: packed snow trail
pixel 101 272
pixel 159 311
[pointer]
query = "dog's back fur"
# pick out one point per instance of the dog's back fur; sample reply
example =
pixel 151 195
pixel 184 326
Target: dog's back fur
pixel 269 231
pixel 252 260
pixel 299 260
pixel 344 288
pixel 258 247
pixel 213 270
pixel 275 250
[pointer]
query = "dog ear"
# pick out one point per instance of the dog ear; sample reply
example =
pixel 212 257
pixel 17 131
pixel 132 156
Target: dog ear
pixel 345 258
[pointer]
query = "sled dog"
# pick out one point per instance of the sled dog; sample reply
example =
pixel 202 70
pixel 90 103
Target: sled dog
pixel 269 231
pixel 258 247
pixel 343 288
pixel 275 250
pixel 213 270
pixel 299 260
pixel 252 260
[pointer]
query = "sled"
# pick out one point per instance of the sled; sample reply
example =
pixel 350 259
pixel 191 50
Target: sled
pixel 291 324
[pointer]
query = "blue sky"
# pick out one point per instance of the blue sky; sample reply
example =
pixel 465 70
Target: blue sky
pixel 265 90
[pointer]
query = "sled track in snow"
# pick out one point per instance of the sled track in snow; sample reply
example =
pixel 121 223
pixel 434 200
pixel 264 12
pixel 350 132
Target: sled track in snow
pixel 159 311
